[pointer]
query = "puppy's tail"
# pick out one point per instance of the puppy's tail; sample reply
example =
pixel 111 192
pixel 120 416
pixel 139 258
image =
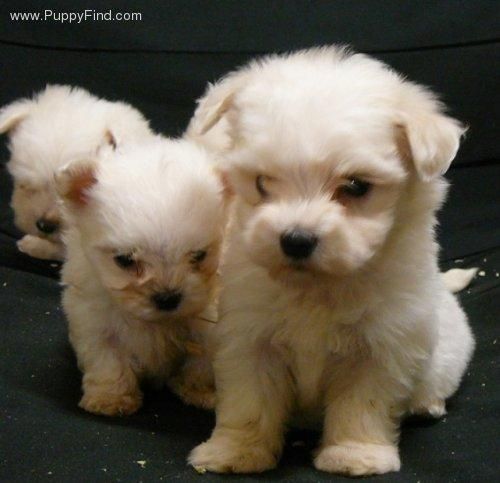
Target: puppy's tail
pixel 457 279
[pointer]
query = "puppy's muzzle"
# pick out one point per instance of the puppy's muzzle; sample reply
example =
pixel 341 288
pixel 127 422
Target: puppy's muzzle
pixel 167 301
pixel 47 226
pixel 298 244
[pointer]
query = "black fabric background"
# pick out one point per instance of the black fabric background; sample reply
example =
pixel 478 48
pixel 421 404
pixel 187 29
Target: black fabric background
pixel 162 65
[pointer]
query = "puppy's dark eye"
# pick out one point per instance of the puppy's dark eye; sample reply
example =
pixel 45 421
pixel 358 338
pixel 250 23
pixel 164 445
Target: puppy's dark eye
pixel 125 261
pixel 259 184
pixel 198 256
pixel 129 263
pixel 355 188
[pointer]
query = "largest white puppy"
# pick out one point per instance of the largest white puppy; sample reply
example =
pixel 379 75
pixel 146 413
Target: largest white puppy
pixel 333 306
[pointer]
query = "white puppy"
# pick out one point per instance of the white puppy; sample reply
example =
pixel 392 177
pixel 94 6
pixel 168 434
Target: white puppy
pixel 332 306
pixel 145 229
pixel 59 124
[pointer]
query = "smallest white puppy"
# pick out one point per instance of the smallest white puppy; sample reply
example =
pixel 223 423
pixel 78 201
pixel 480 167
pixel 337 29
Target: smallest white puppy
pixel 58 125
pixel 145 231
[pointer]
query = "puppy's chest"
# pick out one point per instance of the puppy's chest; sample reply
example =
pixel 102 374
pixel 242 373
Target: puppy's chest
pixel 151 349
pixel 312 344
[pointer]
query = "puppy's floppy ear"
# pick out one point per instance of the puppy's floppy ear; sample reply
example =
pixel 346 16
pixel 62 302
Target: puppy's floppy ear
pixel 74 182
pixel 431 138
pixel 217 102
pixel 13 114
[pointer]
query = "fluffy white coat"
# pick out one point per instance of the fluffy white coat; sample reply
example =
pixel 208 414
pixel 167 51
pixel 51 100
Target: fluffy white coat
pixel 58 125
pixel 364 330
pixel 144 222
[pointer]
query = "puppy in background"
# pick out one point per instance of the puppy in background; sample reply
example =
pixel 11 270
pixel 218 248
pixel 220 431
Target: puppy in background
pixel 332 308
pixel 145 232
pixel 59 124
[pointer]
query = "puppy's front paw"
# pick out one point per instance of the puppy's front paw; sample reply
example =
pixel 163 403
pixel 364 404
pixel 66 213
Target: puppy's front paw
pixel 225 455
pixel 30 245
pixel 39 248
pixel 196 391
pixel 357 459
pixel 194 383
pixel 200 396
pixel 111 404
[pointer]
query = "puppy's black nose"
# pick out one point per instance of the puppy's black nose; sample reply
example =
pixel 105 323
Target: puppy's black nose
pixel 47 226
pixel 298 244
pixel 167 301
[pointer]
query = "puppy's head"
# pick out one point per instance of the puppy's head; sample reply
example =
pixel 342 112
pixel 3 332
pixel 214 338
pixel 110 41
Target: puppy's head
pixel 329 154
pixel 57 125
pixel 150 219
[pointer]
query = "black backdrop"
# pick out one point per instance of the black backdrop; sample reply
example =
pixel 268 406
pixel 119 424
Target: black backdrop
pixel 162 64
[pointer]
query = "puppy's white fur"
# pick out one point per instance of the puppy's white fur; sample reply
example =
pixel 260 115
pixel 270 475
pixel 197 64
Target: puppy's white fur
pixel 59 124
pixel 159 203
pixel 364 330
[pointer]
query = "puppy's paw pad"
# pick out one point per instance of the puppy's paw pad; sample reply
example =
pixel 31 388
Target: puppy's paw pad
pixel 435 408
pixel 225 456
pixel 111 404
pixel 357 459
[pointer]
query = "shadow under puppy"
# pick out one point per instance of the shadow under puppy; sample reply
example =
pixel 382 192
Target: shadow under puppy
pixel 145 228
pixel 332 306
pixel 58 125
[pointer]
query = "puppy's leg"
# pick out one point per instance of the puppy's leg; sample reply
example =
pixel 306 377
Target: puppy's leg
pixel 194 382
pixel 448 362
pixel 110 387
pixel 40 248
pixel 253 400
pixel 360 430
